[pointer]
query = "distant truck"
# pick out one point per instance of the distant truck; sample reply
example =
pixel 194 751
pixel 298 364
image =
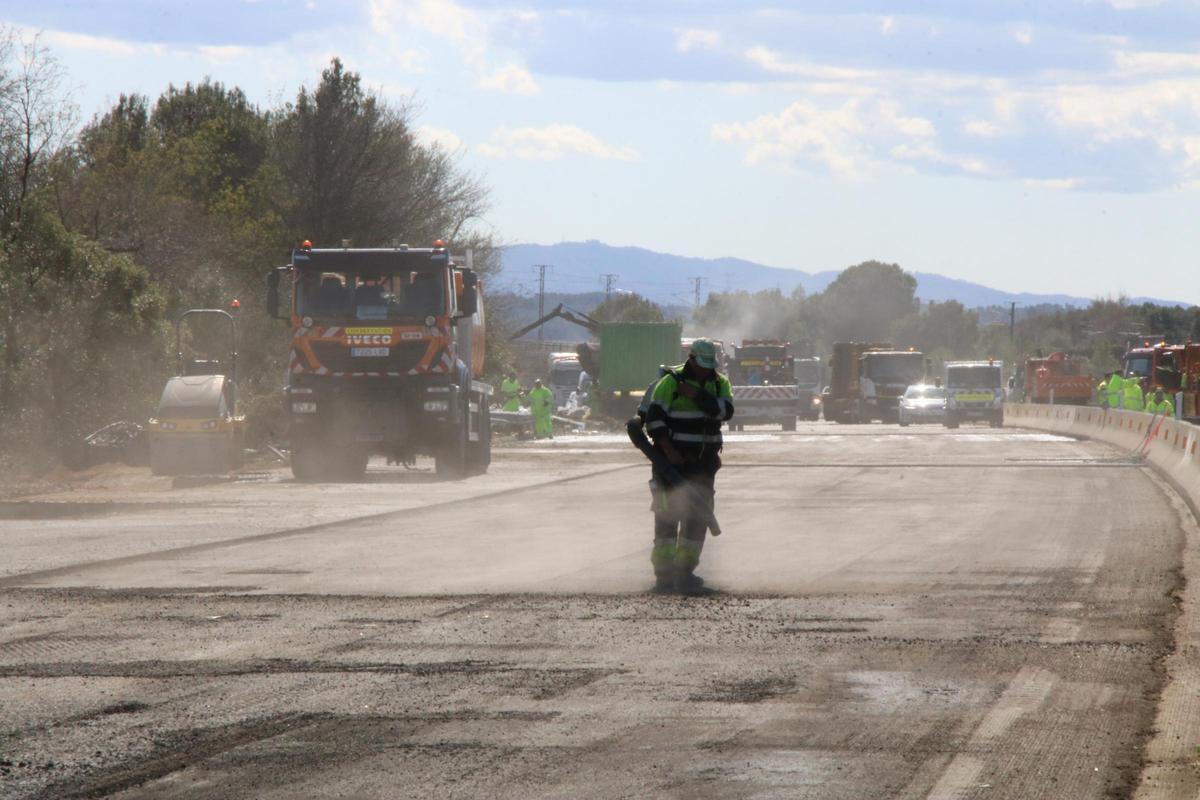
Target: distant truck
pixel 764 385
pixel 1058 378
pixel 867 380
pixel 974 392
pixel 1161 365
pixel 810 379
pixel 563 370
pixel 630 356
pixel 386 354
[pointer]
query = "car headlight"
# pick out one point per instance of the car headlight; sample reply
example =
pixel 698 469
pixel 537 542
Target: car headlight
pixel 208 425
pixel 304 407
pixel 437 405
pixel 816 401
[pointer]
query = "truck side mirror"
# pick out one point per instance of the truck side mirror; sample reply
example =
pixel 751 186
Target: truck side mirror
pixel 273 293
pixel 469 302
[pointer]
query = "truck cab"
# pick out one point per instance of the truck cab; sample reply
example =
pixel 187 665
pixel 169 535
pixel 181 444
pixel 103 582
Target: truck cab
pixel 763 375
pixel 884 375
pixel 1160 365
pixel 563 371
pixel 761 362
pixel 386 351
pixel 974 391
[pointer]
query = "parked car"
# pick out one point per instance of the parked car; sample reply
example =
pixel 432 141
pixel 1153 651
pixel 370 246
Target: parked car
pixel 124 442
pixel 922 403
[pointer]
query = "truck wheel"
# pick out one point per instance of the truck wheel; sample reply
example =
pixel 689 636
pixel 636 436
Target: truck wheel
pixel 951 421
pixel 352 463
pixel 481 451
pixel 789 424
pixel 450 460
pixel 307 463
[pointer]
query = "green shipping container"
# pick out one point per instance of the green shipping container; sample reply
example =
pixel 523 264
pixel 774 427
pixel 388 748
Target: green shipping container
pixel 631 353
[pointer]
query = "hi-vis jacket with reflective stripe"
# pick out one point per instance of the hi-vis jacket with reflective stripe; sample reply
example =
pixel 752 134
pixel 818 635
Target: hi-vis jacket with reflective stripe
pixel 681 418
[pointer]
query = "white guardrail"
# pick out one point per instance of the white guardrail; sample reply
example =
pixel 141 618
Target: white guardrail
pixel 1165 443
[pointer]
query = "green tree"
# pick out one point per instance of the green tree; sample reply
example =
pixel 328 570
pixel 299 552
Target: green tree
pixel 354 170
pixel 944 331
pixel 86 345
pixel 628 307
pixel 865 300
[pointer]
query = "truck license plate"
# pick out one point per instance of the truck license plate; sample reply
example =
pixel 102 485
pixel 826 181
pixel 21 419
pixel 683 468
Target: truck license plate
pixel 369 352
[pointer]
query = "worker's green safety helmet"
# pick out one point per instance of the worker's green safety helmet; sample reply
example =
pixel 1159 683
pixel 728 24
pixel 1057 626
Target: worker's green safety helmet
pixel 705 353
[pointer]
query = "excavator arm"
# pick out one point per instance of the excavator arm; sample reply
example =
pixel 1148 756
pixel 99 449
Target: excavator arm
pixel 561 312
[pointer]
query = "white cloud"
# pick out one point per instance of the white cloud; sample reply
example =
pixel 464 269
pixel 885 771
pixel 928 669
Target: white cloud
pixel 446 19
pixel 447 140
pixel 525 16
pixel 836 139
pixel 930 153
pixel 697 39
pixel 982 128
pixel 1023 35
pixel 223 53
pixel 850 140
pixel 771 61
pixel 401 22
pixel 1058 184
pixel 551 143
pixel 509 79
pixel 887 26
pixel 1149 63
pixel 96 44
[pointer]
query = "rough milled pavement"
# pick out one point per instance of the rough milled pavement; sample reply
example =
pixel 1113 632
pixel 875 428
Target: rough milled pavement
pixel 911 613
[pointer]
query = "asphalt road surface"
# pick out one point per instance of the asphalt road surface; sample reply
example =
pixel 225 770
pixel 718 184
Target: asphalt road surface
pixel 912 613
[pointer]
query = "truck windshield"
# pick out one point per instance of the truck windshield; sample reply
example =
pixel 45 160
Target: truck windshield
pixel 1137 365
pixel 808 372
pixel 407 294
pixel 565 375
pixel 973 378
pixel 905 368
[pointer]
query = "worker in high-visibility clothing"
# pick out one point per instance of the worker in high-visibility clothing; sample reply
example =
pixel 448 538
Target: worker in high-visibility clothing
pixel 510 393
pixel 1159 403
pixel 687 408
pixel 1102 390
pixel 1116 389
pixel 1132 397
pixel 541 403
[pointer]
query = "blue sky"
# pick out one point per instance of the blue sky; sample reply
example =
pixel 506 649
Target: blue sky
pixel 1032 146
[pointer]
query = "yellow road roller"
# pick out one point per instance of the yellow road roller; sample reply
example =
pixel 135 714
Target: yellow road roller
pixel 197 429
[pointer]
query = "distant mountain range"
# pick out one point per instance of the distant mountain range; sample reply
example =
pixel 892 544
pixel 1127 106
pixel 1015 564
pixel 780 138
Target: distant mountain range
pixel 582 267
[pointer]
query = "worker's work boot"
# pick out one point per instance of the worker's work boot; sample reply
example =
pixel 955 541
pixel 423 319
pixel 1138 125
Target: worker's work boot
pixel 664 583
pixel 690 585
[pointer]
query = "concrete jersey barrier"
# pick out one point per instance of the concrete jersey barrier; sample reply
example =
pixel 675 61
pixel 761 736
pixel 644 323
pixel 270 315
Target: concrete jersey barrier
pixel 1167 444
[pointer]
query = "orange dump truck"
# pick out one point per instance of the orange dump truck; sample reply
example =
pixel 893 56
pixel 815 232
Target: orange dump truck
pixel 1058 378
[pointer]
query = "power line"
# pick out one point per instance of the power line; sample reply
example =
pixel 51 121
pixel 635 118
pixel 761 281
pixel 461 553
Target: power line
pixel 696 281
pixel 609 279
